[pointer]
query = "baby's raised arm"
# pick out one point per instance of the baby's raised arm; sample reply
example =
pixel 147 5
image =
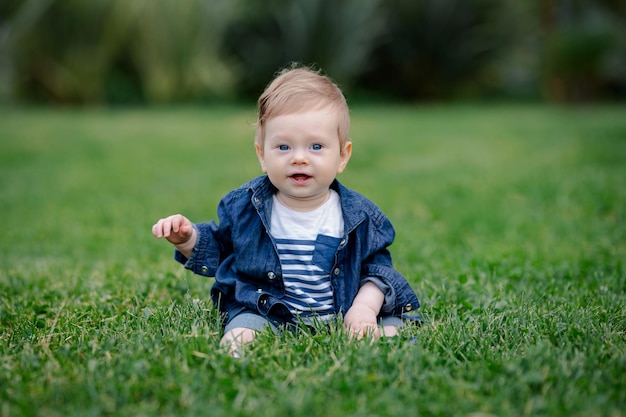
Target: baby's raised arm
pixel 178 230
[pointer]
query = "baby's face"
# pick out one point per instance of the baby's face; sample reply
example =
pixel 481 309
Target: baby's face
pixel 302 155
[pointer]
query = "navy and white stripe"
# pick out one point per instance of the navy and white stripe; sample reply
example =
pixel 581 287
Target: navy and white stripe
pixel 307 287
pixel 306 243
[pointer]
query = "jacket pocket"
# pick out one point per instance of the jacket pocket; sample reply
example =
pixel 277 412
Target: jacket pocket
pixel 324 253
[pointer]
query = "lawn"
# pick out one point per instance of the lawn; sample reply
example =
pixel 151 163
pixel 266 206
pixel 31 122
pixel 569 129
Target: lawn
pixel 511 227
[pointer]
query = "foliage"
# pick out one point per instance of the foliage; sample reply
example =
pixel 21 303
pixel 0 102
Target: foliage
pixel 510 226
pixel 433 48
pixel 71 51
pixel 336 36
pixel 118 51
pixel 175 48
pixel 584 50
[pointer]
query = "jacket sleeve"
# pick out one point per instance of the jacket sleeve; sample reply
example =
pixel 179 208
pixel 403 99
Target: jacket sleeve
pixel 213 245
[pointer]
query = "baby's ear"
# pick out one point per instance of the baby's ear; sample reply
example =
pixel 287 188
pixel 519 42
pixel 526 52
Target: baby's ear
pixel 259 154
pixel 346 152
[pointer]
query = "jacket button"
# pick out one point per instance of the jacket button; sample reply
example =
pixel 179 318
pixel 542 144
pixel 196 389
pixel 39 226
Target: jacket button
pixel 205 269
pixel 408 307
pixel 271 275
pixel 343 242
pixel 263 301
pixel 337 271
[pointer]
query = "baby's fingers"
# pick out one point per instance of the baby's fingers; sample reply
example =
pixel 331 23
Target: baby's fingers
pixel 181 226
pixel 364 331
pixel 370 332
pixel 176 229
pixel 159 229
pixel 165 227
pixel 185 229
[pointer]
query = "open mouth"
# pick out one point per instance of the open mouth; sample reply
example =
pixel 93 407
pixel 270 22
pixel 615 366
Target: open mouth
pixel 299 178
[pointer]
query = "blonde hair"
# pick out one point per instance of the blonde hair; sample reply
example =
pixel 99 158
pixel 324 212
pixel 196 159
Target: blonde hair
pixel 298 89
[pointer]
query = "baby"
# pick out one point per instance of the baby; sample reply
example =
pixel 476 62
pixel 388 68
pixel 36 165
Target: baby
pixel 294 246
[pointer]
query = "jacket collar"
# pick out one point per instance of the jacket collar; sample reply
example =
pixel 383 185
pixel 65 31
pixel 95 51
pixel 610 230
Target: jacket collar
pixel 262 190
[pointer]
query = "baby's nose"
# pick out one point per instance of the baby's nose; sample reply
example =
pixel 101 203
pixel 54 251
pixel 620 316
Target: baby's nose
pixel 299 156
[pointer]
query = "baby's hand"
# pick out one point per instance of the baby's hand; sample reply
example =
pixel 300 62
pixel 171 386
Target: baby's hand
pixel 177 229
pixel 360 321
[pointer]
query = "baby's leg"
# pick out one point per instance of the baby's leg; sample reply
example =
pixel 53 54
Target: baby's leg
pixel 390 325
pixel 389 331
pixel 235 338
pixel 242 329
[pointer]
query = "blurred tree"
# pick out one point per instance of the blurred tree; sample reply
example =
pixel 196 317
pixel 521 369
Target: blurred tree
pixel 73 51
pixel 434 48
pixel 515 67
pixel 175 49
pixel 121 51
pixel 267 35
pixel 584 54
pixel 50 61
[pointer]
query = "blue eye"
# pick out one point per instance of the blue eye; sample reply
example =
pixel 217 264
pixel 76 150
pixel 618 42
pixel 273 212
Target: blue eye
pixel 283 147
pixel 316 147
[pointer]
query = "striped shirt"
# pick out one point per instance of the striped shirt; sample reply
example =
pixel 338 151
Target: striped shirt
pixel 306 244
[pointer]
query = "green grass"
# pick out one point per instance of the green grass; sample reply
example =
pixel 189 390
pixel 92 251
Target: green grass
pixel 510 226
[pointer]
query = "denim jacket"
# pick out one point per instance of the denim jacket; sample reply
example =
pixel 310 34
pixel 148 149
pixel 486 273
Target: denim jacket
pixel 241 254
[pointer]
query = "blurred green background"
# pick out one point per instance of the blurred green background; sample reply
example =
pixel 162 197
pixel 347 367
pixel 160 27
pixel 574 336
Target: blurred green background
pixel 197 51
